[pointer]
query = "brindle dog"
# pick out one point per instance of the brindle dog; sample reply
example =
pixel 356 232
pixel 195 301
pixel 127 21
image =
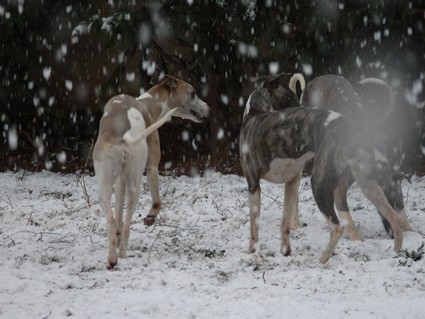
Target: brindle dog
pixel 278 137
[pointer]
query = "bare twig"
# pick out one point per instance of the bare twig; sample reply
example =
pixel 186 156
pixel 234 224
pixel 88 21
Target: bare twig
pixel 23 175
pixel 69 210
pixel 29 219
pixel 174 61
pixel 420 233
pixel 62 240
pixel 43 234
pixel 279 202
pixel 150 249
pixel 8 201
pixel 83 184
pixel 40 238
pixel 12 242
pixel 271 204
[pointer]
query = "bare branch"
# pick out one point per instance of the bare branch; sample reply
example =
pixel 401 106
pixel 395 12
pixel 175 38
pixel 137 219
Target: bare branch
pixel 174 61
pixel 8 201
pixel 150 249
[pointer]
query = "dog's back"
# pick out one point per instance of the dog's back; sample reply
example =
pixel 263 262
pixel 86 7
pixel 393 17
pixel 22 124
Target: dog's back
pixel 121 115
pixel 334 93
pixel 116 119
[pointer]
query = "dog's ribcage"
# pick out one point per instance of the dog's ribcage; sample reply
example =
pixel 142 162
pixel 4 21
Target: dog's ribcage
pixel 288 134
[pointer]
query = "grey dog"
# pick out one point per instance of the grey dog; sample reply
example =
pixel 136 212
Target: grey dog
pixel 335 93
pixel 278 137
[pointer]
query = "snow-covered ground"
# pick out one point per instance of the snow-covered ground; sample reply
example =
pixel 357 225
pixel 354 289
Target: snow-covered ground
pixel 193 262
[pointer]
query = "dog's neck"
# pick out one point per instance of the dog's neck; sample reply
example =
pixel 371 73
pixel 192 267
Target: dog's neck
pixel 155 101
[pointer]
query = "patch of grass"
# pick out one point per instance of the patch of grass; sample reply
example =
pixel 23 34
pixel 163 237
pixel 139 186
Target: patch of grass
pixel 211 253
pixel 407 258
pixel 360 257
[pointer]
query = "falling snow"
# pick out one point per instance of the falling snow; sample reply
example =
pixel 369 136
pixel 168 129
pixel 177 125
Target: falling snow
pixel 47 72
pixel 273 67
pixel 12 137
pixel 68 85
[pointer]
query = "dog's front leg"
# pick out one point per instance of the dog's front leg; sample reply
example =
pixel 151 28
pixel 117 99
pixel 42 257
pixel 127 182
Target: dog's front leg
pixel 153 181
pixel 323 194
pixel 292 188
pixel 152 175
pixel 254 212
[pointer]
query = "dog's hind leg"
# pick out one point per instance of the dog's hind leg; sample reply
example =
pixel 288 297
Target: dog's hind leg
pixel 254 212
pixel 323 195
pixel 105 182
pixel 119 207
pixel 340 198
pixel 293 203
pixel 132 198
pixel 133 179
pixel 152 175
pixel 376 195
pixel 290 213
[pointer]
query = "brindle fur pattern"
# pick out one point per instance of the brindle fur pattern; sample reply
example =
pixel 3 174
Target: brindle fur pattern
pixel 275 144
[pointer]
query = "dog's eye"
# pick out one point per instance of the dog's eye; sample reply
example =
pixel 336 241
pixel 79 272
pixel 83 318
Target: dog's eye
pixel 192 94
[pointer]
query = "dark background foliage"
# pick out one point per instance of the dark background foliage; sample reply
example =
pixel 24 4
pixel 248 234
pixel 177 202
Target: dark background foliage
pixel 62 60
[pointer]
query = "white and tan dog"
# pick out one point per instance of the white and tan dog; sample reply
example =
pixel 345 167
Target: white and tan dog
pixel 125 146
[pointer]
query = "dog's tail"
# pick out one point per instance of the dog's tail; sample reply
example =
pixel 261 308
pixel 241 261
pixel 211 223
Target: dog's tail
pixel 297 77
pixel 133 140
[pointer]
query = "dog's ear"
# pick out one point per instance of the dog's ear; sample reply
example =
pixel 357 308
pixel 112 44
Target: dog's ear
pixel 259 80
pixel 154 81
pixel 271 84
pixel 266 79
pixel 170 81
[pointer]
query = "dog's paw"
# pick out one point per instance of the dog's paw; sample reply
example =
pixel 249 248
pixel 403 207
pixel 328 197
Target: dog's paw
pixel 149 220
pixel 285 251
pixel 111 263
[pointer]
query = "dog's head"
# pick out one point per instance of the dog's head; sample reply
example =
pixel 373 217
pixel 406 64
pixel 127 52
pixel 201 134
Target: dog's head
pixel 189 105
pixel 378 98
pixel 273 93
pixel 391 185
pixel 379 169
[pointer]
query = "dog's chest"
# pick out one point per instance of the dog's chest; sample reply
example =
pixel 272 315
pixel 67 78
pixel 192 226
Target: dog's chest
pixel 282 170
